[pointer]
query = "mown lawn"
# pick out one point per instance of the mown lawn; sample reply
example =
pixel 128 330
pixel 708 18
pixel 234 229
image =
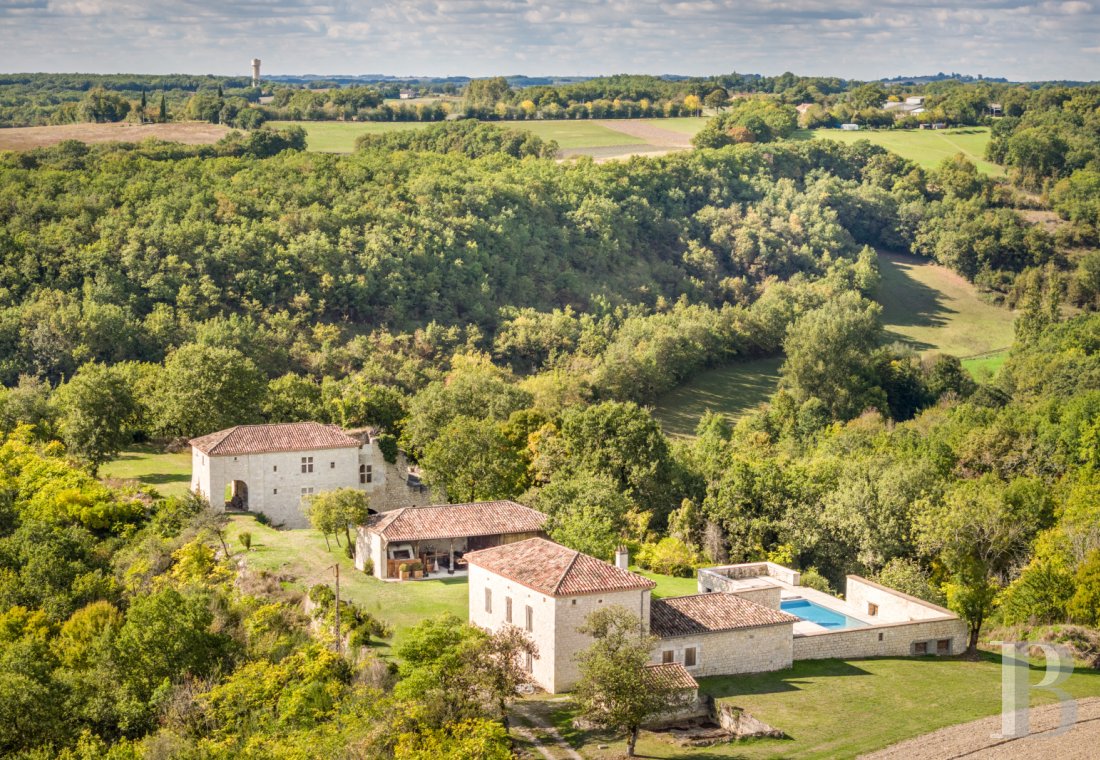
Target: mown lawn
pixel 926 147
pixel 669 585
pixel 837 708
pixel 339 136
pixel 169 474
pixel 301 559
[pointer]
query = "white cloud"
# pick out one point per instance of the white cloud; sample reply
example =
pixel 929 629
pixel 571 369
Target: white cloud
pixel 854 38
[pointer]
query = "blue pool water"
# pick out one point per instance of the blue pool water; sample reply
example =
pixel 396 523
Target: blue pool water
pixel 823 616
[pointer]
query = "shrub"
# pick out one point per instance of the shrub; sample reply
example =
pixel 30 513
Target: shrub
pixel 387 444
pixel 670 556
pixel 811 578
pixel 246 540
pixel 368 566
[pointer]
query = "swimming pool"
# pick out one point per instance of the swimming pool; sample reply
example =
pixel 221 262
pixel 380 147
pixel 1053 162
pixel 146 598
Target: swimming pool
pixel 823 616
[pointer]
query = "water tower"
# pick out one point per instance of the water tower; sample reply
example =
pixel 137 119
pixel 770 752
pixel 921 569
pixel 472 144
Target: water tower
pixel 255 72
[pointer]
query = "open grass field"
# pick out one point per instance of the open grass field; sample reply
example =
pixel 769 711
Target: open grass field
pixel 687 125
pixel 925 147
pixel 834 708
pixel 925 305
pixel 169 474
pixel 936 310
pixel 731 390
pixel 339 136
pixel 192 132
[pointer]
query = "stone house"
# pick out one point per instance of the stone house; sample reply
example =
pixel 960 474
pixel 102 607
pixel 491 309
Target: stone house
pixel 271 468
pixel 438 536
pixel 549 590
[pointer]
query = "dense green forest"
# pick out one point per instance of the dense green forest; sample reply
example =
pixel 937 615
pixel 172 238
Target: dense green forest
pixel 506 317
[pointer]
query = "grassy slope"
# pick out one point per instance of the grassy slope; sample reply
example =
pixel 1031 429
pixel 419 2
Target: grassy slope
pixel 574 134
pixel 933 309
pixel 169 474
pixel 302 559
pixel 922 146
pixel 834 708
pixel 731 390
pixel 925 305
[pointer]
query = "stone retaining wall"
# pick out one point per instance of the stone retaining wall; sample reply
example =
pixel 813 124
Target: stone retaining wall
pixel 881 640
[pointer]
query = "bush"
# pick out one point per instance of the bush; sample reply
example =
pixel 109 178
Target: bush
pixel 246 540
pixel 368 566
pixel 387 444
pixel 670 556
pixel 811 578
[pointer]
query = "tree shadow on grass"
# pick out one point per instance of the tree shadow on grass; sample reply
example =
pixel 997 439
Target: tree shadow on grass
pixel 790 679
pixel 162 478
pixel 907 302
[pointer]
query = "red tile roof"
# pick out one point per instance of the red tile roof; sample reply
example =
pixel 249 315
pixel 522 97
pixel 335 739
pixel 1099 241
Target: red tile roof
pixel 555 570
pixel 483 518
pixel 707 613
pixel 670 675
pixel 287 436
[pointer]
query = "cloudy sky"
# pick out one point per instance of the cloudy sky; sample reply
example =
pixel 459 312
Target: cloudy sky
pixel 850 38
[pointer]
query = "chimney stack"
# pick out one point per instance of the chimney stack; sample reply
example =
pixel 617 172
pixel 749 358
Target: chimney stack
pixel 622 558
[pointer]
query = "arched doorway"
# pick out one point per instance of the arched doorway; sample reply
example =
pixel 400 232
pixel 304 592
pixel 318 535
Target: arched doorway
pixel 237 497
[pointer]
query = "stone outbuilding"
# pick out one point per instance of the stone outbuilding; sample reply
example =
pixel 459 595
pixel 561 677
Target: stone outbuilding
pixel 271 469
pixel 721 634
pixel 436 538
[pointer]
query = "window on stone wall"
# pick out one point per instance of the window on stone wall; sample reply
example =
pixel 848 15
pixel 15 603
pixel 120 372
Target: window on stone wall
pixel 307 464
pixel 529 664
pixel 668 656
pixel 274 468
pixel 943 646
pixel 508 609
pixel 489 600
pixel 920 647
pixel 275 491
pixel 872 609
pixel 332 465
pixel 530 618
pixel 365 474
pixel 307 492
pixel 689 657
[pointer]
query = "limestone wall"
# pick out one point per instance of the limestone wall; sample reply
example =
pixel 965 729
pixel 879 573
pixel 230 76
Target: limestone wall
pixel 542 618
pixel 768 596
pixel 747 650
pixel 571 613
pixel 893 606
pixel 882 640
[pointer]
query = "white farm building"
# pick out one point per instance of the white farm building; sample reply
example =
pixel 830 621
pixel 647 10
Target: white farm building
pixel 272 468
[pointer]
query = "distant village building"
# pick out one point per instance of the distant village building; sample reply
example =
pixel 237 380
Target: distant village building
pixel 406 94
pixel 849 127
pixel 271 469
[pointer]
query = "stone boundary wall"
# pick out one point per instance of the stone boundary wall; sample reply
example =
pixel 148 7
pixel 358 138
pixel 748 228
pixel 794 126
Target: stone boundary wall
pixel 893 606
pixel 881 640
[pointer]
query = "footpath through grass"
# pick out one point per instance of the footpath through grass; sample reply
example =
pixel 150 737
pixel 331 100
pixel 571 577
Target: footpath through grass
pixel 837 708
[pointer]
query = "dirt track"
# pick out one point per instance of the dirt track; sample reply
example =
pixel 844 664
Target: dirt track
pixel 974 740
pixel 26 138
pixel 648 133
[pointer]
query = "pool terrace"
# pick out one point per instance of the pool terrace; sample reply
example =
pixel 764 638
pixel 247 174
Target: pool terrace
pixel 870 620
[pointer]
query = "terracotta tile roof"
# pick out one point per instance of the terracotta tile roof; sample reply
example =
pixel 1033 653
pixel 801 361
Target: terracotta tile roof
pixel 670 675
pixel 555 570
pixel 706 613
pixel 483 518
pixel 287 436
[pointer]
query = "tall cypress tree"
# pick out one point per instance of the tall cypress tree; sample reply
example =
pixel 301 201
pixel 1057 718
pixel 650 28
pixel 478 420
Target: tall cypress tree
pixel 163 108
